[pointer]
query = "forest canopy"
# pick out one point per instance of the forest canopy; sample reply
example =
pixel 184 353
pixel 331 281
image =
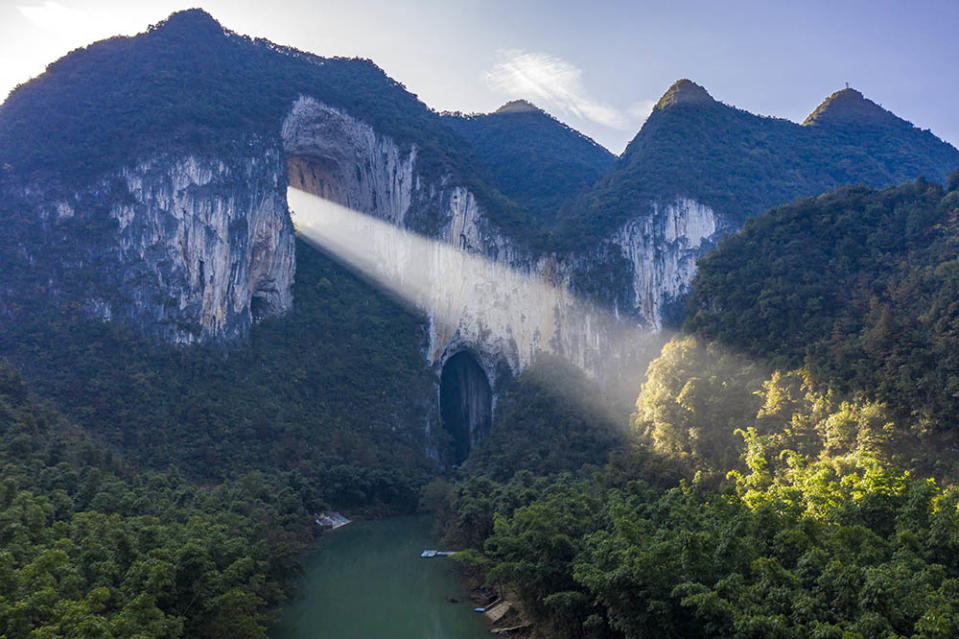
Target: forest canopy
pixel 780 477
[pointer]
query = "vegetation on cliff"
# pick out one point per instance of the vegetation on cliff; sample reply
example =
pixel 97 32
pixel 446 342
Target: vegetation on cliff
pixel 328 390
pixel 859 286
pixel 796 516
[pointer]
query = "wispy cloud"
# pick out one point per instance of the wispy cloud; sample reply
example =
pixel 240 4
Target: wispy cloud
pixel 556 85
pixel 641 110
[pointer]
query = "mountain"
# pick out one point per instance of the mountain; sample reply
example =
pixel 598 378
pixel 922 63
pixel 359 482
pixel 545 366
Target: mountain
pixel 860 286
pixel 188 84
pixel 699 168
pixel 153 287
pixel 150 265
pixel 154 170
pixel 848 107
pixel 534 159
pixel 740 164
pixel 146 185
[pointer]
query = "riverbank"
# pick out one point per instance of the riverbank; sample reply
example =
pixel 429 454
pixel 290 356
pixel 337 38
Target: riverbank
pixel 503 614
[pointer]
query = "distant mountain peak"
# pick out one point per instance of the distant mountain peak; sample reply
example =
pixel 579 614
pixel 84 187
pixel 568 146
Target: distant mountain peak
pixel 684 92
pixel 189 21
pixel 518 106
pixel 849 106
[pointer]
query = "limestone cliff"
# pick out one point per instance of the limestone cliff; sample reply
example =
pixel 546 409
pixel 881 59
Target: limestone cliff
pixel 482 290
pixel 194 248
pixel 662 247
pixel 189 248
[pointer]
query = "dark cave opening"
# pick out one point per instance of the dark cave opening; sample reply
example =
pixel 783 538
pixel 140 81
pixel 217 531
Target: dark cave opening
pixel 260 307
pixel 466 404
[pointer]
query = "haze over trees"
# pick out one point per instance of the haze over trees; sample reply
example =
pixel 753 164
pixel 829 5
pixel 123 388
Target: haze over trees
pixel 808 507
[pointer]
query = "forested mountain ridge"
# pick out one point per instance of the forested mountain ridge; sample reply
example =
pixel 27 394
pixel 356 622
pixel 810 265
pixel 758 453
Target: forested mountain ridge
pixel 859 286
pixel 740 164
pixel 534 159
pixel 189 83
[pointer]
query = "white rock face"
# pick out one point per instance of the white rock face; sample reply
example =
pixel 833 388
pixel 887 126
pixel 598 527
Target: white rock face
pixel 481 290
pixel 211 242
pixel 663 247
pixel 499 312
pixel 186 248
pixel 343 160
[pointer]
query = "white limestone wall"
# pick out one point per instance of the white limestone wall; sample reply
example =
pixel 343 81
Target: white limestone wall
pixel 479 288
pixel 662 248
pixel 197 240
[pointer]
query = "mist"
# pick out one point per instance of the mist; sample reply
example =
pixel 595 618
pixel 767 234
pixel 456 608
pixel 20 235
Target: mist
pixel 480 303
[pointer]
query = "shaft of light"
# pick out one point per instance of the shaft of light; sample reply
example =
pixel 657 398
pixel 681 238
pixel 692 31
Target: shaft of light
pixel 468 297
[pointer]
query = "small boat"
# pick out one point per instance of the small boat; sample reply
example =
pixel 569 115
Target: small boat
pixel 332 520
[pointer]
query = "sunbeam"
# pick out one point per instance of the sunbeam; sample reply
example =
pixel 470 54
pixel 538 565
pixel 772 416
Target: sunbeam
pixel 474 300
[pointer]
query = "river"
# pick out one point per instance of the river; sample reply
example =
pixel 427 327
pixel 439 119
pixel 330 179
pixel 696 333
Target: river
pixel 367 581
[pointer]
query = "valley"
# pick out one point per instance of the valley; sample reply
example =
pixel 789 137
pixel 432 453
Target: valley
pixel 704 388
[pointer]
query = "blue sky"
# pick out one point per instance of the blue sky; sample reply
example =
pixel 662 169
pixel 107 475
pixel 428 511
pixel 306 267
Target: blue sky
pixel 599 66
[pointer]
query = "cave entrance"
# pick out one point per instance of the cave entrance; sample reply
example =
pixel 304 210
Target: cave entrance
pixel 466 403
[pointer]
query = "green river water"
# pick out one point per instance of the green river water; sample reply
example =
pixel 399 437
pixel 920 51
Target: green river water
pixel 367 581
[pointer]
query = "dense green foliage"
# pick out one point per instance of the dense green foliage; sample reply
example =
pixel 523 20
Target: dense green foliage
pixel 693 399
pixel 698 402
pixel 742 164
pixel 329 390
pixel 817 553
pixel 532 158
pixel 90 549
pixel 861 286
pixel 814 534
pixel 795 518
